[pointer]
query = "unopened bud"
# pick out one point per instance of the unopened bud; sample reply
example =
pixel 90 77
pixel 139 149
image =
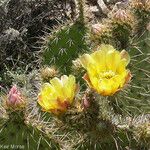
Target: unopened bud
pixel 97 29
pixel 77 64
pixel 48 73
pixel 86 103
pixel 123 16
pixel 14 98
pixel 85 100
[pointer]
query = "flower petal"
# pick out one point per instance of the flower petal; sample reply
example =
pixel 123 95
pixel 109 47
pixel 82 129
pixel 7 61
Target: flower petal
pixel 106 69
pixel 57 95
pixel 125 55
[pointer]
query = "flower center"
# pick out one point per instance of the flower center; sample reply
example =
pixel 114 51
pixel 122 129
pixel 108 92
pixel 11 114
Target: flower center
pixel 108 74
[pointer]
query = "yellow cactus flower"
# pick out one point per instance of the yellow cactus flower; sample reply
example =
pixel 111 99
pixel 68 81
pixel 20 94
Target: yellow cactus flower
pixel 57 95
pixel 106 70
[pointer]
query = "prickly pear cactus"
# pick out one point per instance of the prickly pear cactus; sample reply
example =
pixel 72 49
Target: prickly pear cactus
pixel 64 45
pixel 91 90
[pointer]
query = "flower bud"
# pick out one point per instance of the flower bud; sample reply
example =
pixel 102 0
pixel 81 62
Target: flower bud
pixel 86 103
pixel 77 64
pixel 86 99
pixel 48 73
pixel 101 32
pixel 14 98
pixel 123 17
pixel 98 29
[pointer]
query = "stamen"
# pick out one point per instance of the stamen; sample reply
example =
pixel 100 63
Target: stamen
pixel 108 74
